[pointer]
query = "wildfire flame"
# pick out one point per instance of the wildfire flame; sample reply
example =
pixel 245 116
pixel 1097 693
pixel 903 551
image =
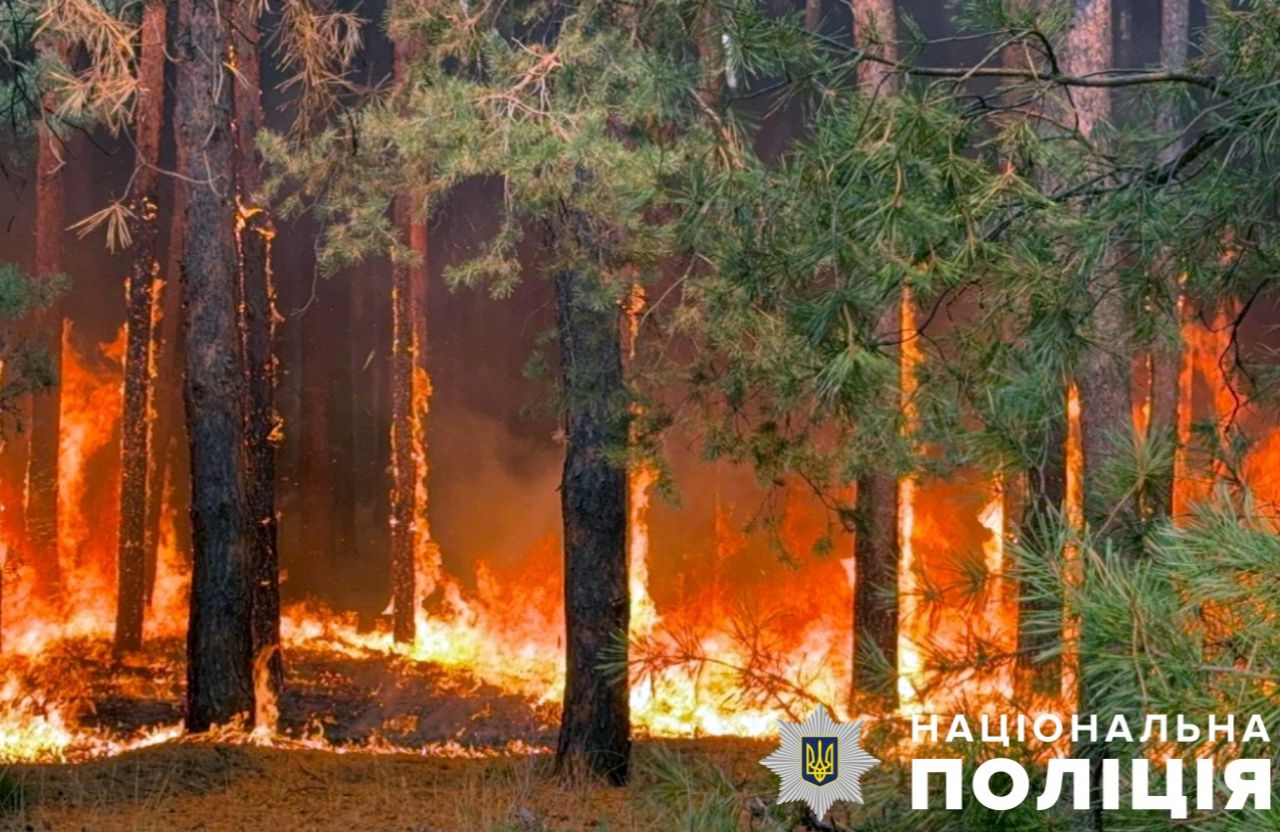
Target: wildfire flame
pixel 730 646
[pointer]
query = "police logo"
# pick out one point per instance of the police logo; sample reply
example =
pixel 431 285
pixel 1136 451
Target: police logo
pixel 820 761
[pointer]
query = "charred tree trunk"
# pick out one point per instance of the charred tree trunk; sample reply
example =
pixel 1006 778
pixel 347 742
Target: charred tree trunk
pixel 171 471
pixel 403 537
pixel 410 389
pixel 135 451
pixel 596 722
pixel 1166 355
pixel 219 641
pixel 876 544
pixel 42 449
pixel 254 233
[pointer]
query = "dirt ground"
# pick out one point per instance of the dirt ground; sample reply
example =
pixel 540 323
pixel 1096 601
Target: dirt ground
pixel 218 788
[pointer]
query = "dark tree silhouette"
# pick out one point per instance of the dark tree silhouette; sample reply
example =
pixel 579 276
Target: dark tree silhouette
pixel 136 432
pixel 219 643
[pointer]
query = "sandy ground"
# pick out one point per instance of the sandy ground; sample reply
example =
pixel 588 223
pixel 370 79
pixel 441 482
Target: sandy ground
pixel 242 788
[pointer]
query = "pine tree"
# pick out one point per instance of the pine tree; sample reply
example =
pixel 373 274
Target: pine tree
pixel 1166 354
pixel 136 464
pixel 410 391
pixel 219 637
pixel 877 544
pixel 256 324
pixel 595 723
pixel 41 521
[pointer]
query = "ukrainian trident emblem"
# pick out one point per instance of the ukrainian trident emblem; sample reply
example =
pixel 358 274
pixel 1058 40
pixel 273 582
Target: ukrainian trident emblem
pixel 819 759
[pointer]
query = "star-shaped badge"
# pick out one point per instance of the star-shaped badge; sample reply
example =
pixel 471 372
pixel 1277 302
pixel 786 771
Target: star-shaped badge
pixel 820 761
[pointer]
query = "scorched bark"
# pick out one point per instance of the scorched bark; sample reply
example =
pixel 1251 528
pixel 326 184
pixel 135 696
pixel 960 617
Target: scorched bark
pixel 42 456
pixel 136 430
pixel 255 232
pixel 596 722
pixel 219 644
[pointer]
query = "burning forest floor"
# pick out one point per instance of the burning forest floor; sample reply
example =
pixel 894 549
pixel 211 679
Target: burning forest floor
pixel 366 743
pixel 90 699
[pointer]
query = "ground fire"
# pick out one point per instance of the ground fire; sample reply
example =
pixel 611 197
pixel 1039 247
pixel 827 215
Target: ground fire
pixel 539 406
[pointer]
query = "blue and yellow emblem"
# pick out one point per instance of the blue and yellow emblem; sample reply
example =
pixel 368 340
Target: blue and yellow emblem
pixel 821 760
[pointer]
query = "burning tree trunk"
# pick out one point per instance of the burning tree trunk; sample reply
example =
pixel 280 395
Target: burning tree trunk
pixel 1166 355
pixel 412 551
pixel 877 541
pixel 254 232
pixel 596 722
pixel 136 425
pixel 41 520
pixel 219 642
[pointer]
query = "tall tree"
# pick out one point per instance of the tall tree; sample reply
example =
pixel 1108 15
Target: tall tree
pixel 877 541
pixel 1103 374
pixel 595 724
pixel 410 392
pixel 219 639
pixel 1103 371
pixel 254 233
pixel 1034 497
pixel 136 431
pixel 41 520
pixel 1166 355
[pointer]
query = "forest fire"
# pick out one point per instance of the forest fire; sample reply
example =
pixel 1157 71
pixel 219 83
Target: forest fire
pixel 562 399
pixel 505 632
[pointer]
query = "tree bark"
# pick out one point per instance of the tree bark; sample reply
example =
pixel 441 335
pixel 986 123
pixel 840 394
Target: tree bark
pixel 402 464
pixel 137 418
pixel 42 450
pixel 410 392
pixel 876 542
pixel 812 15
pixel 171 469
pixel 219 641
pixel 1104 374
pixel 596 722
pixel 255 232
pixel 1166 355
